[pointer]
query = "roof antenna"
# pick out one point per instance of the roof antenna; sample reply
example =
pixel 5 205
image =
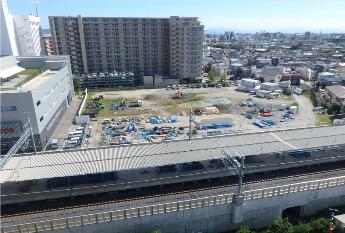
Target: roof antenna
pixel 36 8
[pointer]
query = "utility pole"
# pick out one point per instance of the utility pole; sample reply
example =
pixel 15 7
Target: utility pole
pixel 190 124
pixel 32 136
pixel 240 177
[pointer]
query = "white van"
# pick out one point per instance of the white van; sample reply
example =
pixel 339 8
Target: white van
pixel 54 144
pixel 75 139
pixel 75 133
pixel 80 129
pixel 72 144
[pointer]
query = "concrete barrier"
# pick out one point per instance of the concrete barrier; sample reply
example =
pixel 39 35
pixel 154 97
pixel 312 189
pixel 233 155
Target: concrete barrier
pixel 261 206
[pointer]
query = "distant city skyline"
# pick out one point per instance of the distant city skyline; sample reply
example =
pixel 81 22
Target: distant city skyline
pixel 217 16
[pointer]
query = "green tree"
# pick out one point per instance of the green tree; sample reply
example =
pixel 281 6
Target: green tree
pixel 76 84
pixel 157 231
pixel 320 225
pixel 280 225
pixel 212 74
pixel 244 230
pixel 334 109
pixel 312 96
pixel 302 228
pixel 223 77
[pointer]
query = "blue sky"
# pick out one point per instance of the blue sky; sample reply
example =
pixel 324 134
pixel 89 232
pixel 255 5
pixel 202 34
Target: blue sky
pixel 216 15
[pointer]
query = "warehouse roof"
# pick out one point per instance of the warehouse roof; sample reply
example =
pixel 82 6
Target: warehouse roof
pixel 103 159
pixel 337 90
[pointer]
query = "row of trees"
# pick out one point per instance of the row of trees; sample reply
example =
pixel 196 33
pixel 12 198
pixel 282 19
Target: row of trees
pixel 282 225
pixel 214 76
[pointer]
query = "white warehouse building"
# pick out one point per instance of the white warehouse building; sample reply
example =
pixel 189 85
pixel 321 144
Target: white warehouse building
pixel 248 85
pixel 43 97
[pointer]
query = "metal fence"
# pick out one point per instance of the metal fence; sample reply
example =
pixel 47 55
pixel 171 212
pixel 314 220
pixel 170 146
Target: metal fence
pixel 97 218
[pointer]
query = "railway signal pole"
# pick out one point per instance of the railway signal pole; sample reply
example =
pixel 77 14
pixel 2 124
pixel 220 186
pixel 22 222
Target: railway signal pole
pixel 192 120
pixel 231 162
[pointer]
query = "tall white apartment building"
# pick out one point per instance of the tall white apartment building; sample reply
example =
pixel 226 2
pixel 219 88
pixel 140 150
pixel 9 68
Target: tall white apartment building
pixel 28 37
pixel 145 46
pixel 20 34
pixel 8 44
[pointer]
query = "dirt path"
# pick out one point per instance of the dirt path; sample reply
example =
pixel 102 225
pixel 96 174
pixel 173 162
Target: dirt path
pixel 305 116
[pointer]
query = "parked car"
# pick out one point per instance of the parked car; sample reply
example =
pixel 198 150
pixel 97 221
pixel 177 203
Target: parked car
pixel 54 144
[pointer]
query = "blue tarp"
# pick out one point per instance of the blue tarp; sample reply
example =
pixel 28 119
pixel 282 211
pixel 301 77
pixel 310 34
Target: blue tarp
pixel 217 125
pixel 155 121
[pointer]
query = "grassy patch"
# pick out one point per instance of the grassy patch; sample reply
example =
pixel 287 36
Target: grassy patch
pixel 287 97
pixel 295 104
pixel 131 112
pixel 107 112
pixel 323 119
pixel 173 105
pixel 311 96
pixel 31 73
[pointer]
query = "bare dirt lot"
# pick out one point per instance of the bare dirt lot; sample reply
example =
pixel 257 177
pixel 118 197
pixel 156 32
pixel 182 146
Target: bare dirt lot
pixel 163 104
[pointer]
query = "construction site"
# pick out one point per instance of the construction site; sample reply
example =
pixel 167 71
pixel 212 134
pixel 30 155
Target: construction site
pixel 151 115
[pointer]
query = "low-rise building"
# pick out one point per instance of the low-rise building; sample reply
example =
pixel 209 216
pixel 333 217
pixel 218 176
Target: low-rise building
pixel 108 80
pixel 328 78
pixel 37 90
pixel 234 67
pixel 340 223
pixel 269 86
pixel 270 73
pixel 248 85
pixel 335 94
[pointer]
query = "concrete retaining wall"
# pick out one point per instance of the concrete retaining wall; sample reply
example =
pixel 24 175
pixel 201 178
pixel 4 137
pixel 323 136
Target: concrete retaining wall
pixel 209 214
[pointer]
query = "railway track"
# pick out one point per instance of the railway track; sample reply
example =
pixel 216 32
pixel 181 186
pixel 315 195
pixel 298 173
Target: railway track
pixel 190 189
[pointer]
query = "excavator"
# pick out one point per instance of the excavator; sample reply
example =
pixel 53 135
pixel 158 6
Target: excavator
pixel 178 94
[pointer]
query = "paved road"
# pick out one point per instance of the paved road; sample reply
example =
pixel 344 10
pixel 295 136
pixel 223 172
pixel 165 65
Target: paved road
pixel 305 115
pixel 66 121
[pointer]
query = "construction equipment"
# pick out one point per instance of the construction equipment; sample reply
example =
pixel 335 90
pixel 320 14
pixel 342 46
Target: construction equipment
pixel 97 98
pixel 178 94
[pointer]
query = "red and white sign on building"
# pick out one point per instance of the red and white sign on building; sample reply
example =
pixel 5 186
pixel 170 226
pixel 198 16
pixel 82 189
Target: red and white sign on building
pixel 10 130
